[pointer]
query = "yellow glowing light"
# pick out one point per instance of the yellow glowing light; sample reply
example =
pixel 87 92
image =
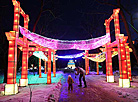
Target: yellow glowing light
pixel 10 42
pixel 121 44
pixel 15 20
pixel 124 72
pixel 10 74
pixel 11 48
pixel 10 55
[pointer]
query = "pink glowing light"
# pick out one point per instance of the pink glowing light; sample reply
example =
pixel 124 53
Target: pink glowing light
pixel 65 44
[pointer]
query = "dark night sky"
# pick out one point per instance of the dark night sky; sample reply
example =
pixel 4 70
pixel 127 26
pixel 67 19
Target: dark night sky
pixel 74 19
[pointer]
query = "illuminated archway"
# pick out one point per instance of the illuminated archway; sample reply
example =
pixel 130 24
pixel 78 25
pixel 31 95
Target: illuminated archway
pixel 50 45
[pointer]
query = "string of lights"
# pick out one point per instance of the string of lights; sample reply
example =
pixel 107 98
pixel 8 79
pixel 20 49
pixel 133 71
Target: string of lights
pixel 72 56
pixel 65 44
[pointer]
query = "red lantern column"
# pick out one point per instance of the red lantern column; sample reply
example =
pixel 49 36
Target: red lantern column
pixel 109 69
pixel 97 65
pixel 45 66
pixel 54 64
pixel 24 79
pixel 49 67
pixel 40 68
pixel 123 80
pixel 86 62
pixel 11 87
pixel 128 62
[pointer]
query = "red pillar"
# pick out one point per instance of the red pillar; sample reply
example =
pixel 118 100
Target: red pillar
pixel 12 61
pixel 45 66
pixel 109 69
pixel 128 62
pixel 86 61
pixel 24 79
pixel 123 80
pixel 49 67
pixel 88 64
pixel 11 87
pixel 97 66
pixel 40 68
pixel 54 64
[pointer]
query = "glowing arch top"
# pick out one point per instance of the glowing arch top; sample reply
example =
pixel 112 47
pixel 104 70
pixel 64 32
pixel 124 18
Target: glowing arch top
pixel 65 44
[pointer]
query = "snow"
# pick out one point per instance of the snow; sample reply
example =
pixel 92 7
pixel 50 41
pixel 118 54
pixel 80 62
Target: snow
pixel 130 93
pixel 42 92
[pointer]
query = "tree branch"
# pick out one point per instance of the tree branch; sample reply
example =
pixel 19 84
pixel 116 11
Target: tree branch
pixel 103 3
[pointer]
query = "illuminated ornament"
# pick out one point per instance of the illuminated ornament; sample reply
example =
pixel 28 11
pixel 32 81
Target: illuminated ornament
pixel 65 44
pixel 71 56
pixel 40 55
pixel 101 57
pixel 71 64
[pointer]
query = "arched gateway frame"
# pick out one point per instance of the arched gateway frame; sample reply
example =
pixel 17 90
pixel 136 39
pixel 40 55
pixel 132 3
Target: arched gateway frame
pixel 13 36
pixel 123 53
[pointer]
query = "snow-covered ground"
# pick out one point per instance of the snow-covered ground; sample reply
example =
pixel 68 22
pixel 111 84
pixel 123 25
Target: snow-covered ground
pixel 130 93
pixel 37 91
pixel 41 92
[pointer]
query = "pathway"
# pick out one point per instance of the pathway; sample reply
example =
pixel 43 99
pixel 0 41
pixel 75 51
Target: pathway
pixel 93 92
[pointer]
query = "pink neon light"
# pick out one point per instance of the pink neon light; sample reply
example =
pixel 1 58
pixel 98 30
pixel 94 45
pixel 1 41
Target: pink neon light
pixel 65 44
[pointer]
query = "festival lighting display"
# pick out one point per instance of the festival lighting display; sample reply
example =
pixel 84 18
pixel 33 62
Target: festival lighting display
pixel 40 75
pixel 49 67
pixel 101 57
pixel 97 67
pixel 128 62
pixel 86 61
pixel 46 44
pixel 40 55
pixel 65 44
pixel 72 56
pixel 54 64
pixel 109 69
pixel 45 66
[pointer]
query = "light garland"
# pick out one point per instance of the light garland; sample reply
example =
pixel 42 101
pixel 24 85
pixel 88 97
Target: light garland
pixel 65 44
pixel 101 57
pixel 71 56
pixel 40 55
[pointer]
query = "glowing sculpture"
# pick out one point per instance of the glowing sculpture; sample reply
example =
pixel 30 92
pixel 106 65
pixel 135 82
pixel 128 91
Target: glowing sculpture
pixel 71 64
pixel 13 36
pixel 40 68
pixel 40 55
pixel 11 87
pixel 65 44
pixel 45 63
pixel 86 62
pixel 49 67
pixel 128 62
pixel 97 65
pixel 101 57
pixel 45 66
pixel 123 80
pixel 54 64
pixel 109 69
